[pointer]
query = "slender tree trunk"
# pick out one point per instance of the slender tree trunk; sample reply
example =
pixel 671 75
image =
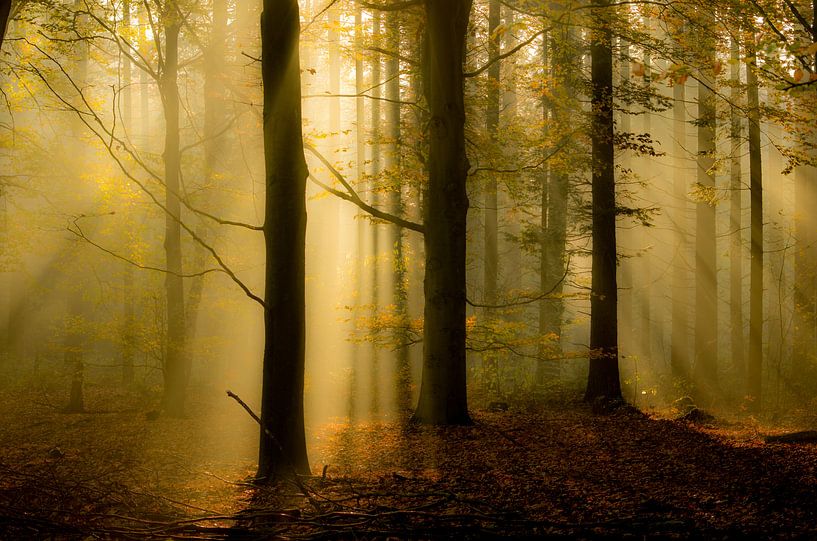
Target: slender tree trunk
pixel 554 199
pixel 679 361
pixel 490 267
pixel 376 169
pixel 214 147
pixel 645 261
pixel 283 447
pixel 805 261
pixel 626 287
pixel 128 341
pixel 362 226
pixel 706 284
pixel 603 378
pixel 5 13
pixel 443 395
pixel 755 368
pixel 395 204
pixel 176 370
pixel 735 212
pixel 545 368
pixel 75 317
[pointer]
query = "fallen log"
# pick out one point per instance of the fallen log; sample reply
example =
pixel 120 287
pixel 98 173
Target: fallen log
pixel 804 436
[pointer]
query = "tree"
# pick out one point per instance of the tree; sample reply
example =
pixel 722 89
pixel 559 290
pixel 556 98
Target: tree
pixel 443 396
pixel 283 440
pixel 5 12
pixel 755 367
pixel 603 378
pixel 706 284
pixel 176 362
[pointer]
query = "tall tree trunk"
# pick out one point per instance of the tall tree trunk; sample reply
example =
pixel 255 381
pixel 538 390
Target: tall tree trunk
pixel 625 237
pixel 128 339
pixel 706 284
pixel 5 13
pixel 490 267
pixel 603 377
pixel 376 238
pixel 805 259
pixel 755 368
pixel 176 370
pixel 392 164
pixel 554 198
pixel 545 368
pixel 735 212
pixel 645 261
pixel 214 143
pixel 443 395
pixel 679 338
pixel 362 226
pixel 283 438
pixel 75 317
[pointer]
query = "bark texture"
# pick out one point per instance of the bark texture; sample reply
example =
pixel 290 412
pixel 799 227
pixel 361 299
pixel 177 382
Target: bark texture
pixel 603 378
pixel 283 441
pixel 443 397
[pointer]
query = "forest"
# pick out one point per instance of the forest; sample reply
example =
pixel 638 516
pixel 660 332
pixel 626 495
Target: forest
pixel 408 269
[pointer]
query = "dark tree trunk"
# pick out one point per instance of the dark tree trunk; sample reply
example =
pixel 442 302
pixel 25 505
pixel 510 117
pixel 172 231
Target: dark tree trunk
pixel 735 212
pixel 443 396
pixel 5 13
pixel 603 378
pixel 283 447
pixel 706 284
pixel 755 368
pixel 176 370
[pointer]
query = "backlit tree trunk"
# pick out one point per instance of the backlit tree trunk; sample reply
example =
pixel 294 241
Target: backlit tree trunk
pixel 283 447
pixel 176 370
pixel 755 368
pixel 603 378
pixel 443 397
pixel 706 283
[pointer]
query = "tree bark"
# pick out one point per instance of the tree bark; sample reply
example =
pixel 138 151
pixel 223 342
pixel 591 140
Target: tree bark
pixel 755 368
pixel 392 164
pixel 176 369
pixel 490 267
pixel 603 377
pixel 443 395
pixel 5 13
pixel 128 320
pixel 679 360
pixel 706 284
pixel 805 260
pixel 735 212
pixel 283 450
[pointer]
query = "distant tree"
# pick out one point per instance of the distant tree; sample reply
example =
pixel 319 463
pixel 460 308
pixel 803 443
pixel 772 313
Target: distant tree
pixel 706 281
pixel 283 440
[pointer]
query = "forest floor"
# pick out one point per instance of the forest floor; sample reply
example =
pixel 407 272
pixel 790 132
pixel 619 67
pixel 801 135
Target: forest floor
pixel 546 468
